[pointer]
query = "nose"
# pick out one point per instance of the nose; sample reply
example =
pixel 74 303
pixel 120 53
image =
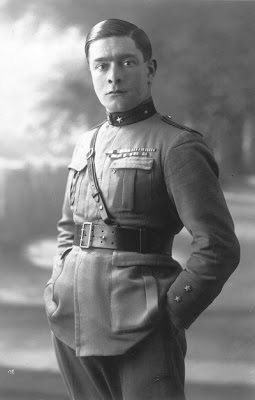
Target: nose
pixel 114 74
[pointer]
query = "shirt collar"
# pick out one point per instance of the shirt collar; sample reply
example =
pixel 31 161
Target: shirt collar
pixel 141 112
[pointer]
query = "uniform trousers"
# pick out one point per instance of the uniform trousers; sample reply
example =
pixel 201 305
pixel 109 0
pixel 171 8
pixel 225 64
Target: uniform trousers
pixel 152 370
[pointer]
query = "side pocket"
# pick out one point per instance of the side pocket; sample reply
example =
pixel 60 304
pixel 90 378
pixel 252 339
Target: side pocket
pixel 58 264
pixel 134 299
pixel 151 293
pixel 58 267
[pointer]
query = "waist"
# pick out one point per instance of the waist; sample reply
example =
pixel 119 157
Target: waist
pixel 142 240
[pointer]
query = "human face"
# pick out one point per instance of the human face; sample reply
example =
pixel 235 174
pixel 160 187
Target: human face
pixel 121 78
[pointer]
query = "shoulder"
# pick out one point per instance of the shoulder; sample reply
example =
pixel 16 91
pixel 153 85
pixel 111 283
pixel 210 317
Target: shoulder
pixel 82 147
pixel 89 132
pixel 174 134
pixel 98 126
pixel 85 138
pixel 186 147
pixel 167 119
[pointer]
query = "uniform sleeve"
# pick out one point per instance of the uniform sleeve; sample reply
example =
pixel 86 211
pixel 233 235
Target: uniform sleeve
pixel 191 175
pixel 66 223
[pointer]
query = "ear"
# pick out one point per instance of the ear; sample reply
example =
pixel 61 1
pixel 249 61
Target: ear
pixel 152 68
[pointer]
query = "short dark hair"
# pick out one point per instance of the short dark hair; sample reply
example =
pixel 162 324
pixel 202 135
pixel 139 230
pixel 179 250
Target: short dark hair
pixel 117 27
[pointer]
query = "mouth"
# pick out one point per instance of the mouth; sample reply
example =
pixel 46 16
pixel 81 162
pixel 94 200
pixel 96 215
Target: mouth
pixel 116 92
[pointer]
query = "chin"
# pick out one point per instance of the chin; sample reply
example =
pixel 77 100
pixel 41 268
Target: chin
pixel 117 106
pixel 117 109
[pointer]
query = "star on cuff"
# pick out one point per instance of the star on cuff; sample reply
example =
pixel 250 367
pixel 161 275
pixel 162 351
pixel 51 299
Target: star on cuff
pixel 178 299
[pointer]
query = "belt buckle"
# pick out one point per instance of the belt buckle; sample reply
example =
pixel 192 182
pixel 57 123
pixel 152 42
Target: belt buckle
pixel 86 246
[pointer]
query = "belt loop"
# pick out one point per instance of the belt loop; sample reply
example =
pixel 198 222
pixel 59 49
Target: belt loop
pixel 143 240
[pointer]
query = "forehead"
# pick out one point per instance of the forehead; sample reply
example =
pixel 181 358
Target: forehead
pixel 113 47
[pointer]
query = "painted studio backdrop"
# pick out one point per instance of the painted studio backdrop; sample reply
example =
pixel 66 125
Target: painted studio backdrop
pixel 205 79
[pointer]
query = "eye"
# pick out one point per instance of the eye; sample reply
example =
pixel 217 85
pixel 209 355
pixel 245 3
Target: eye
pixel 101 67
pixel 128 63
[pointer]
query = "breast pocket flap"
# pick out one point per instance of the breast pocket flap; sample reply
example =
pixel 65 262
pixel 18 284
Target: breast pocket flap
pixel 78 164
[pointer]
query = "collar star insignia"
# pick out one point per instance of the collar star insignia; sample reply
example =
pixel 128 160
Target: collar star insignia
pixel 141 112
pixel 187 288
pixel 178 299
pixel 119 120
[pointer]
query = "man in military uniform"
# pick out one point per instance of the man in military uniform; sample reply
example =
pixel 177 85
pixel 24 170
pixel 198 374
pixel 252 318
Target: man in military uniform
pixel 117 303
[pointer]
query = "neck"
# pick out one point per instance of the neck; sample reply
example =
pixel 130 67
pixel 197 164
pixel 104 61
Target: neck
pixel 139 113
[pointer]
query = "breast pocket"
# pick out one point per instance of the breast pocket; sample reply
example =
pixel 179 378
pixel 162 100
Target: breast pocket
pixel 78 186
pixel 130 185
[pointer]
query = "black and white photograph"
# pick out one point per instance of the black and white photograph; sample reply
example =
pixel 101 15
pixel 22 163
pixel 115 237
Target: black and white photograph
pixel 127 199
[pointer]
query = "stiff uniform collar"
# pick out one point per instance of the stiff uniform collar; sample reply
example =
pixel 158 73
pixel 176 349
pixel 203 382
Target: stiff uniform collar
pixel 143 111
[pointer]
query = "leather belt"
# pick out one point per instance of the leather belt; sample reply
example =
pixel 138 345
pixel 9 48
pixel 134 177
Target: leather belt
pixel 89 235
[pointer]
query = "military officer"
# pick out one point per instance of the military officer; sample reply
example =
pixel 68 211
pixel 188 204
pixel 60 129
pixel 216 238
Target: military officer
pixel 117 303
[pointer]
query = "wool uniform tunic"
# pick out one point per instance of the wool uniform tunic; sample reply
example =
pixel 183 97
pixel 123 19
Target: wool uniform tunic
pixel 155 174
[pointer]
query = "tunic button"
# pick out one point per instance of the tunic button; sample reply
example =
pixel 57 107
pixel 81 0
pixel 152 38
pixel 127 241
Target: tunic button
pixel 114 171
pixel 100 207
